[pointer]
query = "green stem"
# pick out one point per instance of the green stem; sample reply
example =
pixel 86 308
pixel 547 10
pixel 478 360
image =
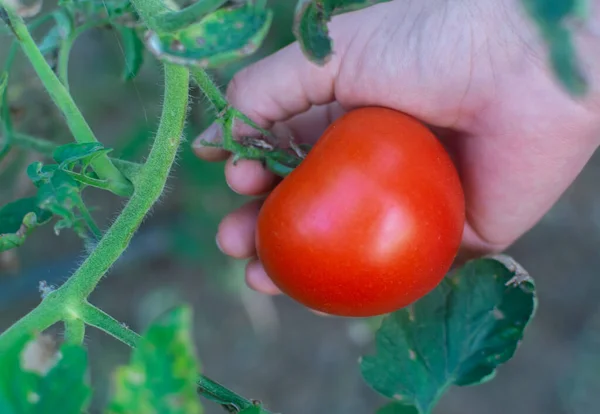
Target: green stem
pixel 97 318
pixel 149 9
pixel 67 45
pixel 89 220
pixel 74 331
pixel 149 186
pixel 5 116
pixel 209 89
pixel 59 94
pixel 32 143
pixel 217 393
pixel 41 318
pixel 45 147
pixel 63 60
pixel 176 20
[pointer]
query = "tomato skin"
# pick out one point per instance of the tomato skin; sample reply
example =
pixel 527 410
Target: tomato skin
pixel 369 222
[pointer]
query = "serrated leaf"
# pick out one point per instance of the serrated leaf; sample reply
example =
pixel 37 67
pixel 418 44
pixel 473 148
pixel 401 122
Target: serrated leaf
pixel 161 376
pixel 552 18
pixel 218 39
pixel 456 335
pixel 17 219
pixel 133 49
pixel 61 389
pixel 397 408
pixel 310 24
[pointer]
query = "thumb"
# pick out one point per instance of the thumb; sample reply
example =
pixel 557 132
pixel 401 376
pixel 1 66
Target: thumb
pixel 287 83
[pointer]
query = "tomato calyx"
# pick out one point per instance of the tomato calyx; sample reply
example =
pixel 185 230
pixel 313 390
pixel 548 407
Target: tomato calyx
pixel 264 147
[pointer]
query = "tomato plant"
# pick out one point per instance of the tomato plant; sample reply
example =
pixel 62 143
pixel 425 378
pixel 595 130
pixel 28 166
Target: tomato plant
pixel 369 222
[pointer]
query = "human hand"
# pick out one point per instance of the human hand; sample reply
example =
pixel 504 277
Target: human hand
pixel 476 72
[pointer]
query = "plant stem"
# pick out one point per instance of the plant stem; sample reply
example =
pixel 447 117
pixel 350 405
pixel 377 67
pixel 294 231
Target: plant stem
pixel 74 331
pixel 99 319
pixel 32 143
pixel 149 186
pixel 209 89
pixel 41 318
pixel 176 20
pixel 89 220
pixel 45 147
pixel 149 10
pixel 61 97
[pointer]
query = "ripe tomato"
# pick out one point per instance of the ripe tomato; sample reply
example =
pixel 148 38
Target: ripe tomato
pixel 369 222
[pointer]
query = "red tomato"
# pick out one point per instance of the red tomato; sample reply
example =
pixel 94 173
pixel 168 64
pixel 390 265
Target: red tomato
pixel 369 222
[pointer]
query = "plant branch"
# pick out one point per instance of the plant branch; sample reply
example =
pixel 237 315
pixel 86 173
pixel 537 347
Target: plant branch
pixel 61 97
pixel 149 186
pixel 46 314
pixel 97 318
pixel 29 142
pixel 45 147
pixel 74 331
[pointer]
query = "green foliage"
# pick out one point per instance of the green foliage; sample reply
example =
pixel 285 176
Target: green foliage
pixel 397 408
pixel 161 376
pixel 18 219
pixel 59 389
pixel 310 25
pixel 133 48
pixel 456 335
pixel 220 38
pixel 55 36
pixel 552 18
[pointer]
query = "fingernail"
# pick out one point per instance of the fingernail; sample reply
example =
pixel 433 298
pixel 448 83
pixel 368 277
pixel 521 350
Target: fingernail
pixel 210 135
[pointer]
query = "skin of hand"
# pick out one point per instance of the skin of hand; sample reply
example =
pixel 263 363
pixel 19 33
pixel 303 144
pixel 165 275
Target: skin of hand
pixel 476 71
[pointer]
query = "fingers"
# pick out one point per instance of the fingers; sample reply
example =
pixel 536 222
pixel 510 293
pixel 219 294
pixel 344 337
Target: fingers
pixel 249 177
pixel 235 236
pixel 517 164
pixel 212 135
pixel 257 278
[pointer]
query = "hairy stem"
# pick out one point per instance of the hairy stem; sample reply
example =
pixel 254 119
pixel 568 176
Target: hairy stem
pixel 45 147
pixel 74 331
pixel 61 97
pixel 209 89
pixel 149 186
pixel 41 318
pixel 97 318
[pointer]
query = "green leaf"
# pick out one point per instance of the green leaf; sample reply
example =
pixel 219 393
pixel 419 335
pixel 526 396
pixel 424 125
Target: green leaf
pixel 83 153
pixel 252 410
pixel 133 48
pixel 310 24
pixel 59 389
pixel 456 335
pixel 16 385
pixel 62 30
pixel 218 39
pixel 551 18
pixel 18 219
pixel 63 389
pixel 397 408
pixel 163 371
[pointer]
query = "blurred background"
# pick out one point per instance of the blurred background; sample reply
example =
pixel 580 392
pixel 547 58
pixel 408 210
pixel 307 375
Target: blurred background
pixel 271 348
